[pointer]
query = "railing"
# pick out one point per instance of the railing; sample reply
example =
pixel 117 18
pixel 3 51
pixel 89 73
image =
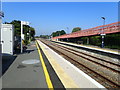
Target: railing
pixel 106 29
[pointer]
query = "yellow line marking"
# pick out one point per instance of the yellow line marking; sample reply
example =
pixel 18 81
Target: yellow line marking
pixel 49 83
pixel 66 80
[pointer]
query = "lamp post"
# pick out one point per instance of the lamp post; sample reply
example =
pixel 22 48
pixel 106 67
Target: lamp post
pixel 1 15
pixel 22 36
pixel 29 35
pixel 67 32
pixel 102 33
pixel 29 31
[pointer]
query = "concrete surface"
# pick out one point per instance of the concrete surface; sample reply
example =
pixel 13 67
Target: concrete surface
pixel 21 75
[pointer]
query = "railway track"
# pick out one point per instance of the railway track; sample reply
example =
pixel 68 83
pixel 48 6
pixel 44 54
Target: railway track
pixel 71 51
pixel 106 80
pixel 98 58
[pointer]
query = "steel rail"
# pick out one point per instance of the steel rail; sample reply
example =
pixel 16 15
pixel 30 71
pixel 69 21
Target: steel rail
pixel 87 68
pixel 67 49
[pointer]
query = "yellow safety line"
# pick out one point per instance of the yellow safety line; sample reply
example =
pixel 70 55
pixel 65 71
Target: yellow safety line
pixel 49 83
pixel 63 76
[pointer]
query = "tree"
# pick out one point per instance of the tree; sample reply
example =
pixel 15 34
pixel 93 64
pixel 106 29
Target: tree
pixel 17 27
pixel 44 36
pixel 32 31
pixel 58 33
pixel 76 29
pixel 26 29
pixel 62 32
pixel 53 34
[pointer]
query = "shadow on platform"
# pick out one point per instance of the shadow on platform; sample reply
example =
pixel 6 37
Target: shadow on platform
pixel 7 60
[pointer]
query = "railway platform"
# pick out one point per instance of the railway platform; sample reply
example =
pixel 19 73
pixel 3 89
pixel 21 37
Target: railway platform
pixel 105 50
pixel 70 76
pixel 41 67
pixel 29 71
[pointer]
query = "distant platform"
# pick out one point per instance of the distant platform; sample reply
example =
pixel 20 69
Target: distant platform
pixel 116 52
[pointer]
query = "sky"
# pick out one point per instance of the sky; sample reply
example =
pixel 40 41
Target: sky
pixel 48 17
pixel 60 0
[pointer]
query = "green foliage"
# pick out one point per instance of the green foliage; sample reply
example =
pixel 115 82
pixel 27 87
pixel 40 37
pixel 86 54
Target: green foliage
pixel 44 36
pixel 32 31
pixel 84 39
pixel 54 34
pixel 58 33
pixel 110 41
pixel 17 27
pixel 62 32
pixel 26 29
pixel 95 40
pixel 37 37
pixel 76 29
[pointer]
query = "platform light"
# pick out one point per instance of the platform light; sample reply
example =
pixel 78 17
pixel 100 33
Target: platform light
pixel 102 33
